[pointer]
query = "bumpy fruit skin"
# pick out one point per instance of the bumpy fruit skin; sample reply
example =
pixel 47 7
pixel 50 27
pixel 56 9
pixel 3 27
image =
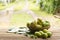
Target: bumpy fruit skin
pixel 45 30
pixel 44 35
pixel 49 34
pixel 32 27
pixel 41 32
pixel 38 34
pixel 39 21
pixel 46 25
pixel 38 27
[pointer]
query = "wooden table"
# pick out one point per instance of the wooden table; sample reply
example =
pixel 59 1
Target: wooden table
pixel 11 36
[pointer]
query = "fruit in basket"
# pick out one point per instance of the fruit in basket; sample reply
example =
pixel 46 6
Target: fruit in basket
pixel 34 27
pixel 39 21
pixel 46 25
pixel 38 27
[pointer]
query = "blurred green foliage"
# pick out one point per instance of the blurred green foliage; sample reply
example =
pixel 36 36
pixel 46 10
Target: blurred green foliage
pixel 49 5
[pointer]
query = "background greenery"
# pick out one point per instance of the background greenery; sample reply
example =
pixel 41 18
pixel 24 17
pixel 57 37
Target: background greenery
pixel 50 5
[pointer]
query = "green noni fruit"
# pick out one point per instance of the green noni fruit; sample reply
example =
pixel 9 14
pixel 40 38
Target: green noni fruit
pixel 38 34
pixel 49 34
pixel 44 35
pixel 45 30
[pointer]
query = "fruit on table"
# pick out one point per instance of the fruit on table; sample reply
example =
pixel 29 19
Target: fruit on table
pixel 41 32
pixel 49 34
pixel 38 25
pixel 45 30
pixel 38 34
pixel 44 35
pixel 46 25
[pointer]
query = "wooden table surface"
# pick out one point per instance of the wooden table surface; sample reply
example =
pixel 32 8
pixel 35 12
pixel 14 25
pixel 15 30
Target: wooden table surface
pixel 11 36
